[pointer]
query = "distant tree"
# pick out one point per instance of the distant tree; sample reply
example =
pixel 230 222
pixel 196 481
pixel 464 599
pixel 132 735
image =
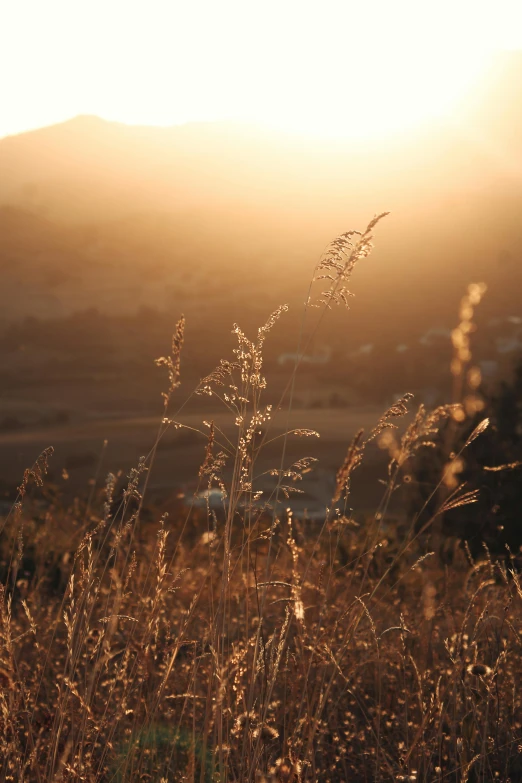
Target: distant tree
pixel 494 467
pixel 491 464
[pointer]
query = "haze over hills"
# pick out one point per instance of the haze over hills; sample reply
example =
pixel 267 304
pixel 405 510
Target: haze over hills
pixel 108 232
pixel 97 213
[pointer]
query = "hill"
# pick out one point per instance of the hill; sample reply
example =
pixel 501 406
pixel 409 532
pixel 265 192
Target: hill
pixel 99 203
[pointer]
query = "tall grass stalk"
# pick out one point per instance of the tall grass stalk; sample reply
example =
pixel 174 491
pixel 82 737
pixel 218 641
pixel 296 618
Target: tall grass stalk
pixel 246 643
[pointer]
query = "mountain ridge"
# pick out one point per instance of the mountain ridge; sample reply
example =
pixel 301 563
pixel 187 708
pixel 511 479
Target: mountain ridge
pixel 249 204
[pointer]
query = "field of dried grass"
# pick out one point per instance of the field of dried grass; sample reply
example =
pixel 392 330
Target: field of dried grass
pixel 246 641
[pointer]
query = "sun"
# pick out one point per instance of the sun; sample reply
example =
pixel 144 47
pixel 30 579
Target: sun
pixel 338 68
pixel 368 96
pixel 359 93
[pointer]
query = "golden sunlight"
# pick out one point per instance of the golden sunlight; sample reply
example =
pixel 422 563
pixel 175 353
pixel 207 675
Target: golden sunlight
pixel 330 69
pixel 372 96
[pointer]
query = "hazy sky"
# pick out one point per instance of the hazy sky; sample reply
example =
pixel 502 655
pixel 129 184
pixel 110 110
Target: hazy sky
pixel 327 68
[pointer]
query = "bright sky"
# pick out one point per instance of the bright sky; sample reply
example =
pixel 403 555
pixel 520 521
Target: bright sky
pixel 325 68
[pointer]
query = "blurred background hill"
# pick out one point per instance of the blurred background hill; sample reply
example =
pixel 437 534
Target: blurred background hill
pixel 109 231
pixel 97 213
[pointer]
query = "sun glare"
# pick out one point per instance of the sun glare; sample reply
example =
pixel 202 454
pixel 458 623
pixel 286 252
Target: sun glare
pixel 330 69
pixel 372 96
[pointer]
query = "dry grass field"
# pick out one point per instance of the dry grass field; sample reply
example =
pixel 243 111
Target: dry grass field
pixel 82 451
pixel 147 635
